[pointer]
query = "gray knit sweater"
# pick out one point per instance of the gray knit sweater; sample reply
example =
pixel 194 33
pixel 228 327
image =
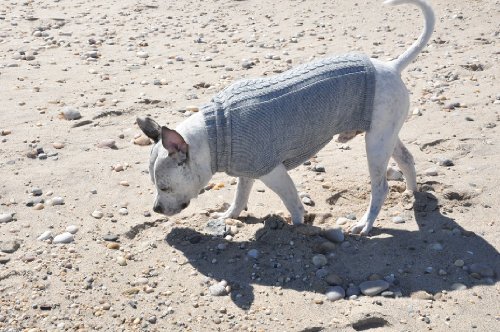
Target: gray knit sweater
pixel 255 124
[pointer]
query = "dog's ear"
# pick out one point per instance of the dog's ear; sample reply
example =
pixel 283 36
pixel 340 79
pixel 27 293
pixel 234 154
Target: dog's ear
pixel 174 143
pixel 150 128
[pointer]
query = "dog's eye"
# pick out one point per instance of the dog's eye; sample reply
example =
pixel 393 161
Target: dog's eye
pixel 164 189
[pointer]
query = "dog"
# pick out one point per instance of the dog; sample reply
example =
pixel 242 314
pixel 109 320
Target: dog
pixel 182 160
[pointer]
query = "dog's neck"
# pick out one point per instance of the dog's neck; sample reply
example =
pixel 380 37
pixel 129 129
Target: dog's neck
pixel 195 134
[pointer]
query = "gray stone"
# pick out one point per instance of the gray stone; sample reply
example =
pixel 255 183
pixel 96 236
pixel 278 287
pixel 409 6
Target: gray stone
pixel 334 234
pixel 72 229
pixel 372 288
pixel 319 260
pixel 319 168
pixel 219 289
pixel 394 174
pixel 437 246
pixel 458 286
pixel 431 171
pixel 353 290
pixel 45 236
pixel 9 247
pixel 335 293
pixel 110 237
pixel 71 114
pixel 482 269
pixel 253 253
pixel 65 237
pixel 216 227
pixel 36 191
pixel 321 273
pixel 5 218
pixel 333 279
pixel 57 201
pixel 442 161
pixel 398 220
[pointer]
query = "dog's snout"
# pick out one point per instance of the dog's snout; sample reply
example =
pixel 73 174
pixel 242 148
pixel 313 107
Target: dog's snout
pixel 157 208
pixel 184 205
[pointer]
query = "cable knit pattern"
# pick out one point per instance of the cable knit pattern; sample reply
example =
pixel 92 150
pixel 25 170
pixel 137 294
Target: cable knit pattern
pixel 255 124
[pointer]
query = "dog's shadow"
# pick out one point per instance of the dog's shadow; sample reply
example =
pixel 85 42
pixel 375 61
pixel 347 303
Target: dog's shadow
pixel 421 260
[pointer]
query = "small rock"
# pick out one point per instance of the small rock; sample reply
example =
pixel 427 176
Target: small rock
pixel 394 174
pixel 342 221
pixel 71 114
pixel 36 192
pixel 353 290
pixel 121 261
pixel 110 237
pixel 9 247
pixel 118 168
pixel 216 227
pixel 142 55
pixel 319 168
pixel 142 140
pixel 4 260
pixel 335 293
pixel 72 229
pixel 372 288
pixel 307 201
pixel 398 220
pixel 333 279
pixel 437 246
pixel 192 108
pixel 107 144
pixel 57 201
pixel 422 295
pixel 113 245
pixel 38 206
pixel 65 237
pixel 334 234
pixel 58 145
pixel 458 286
pixel 218 289
pixel 482 269
pixel 5 218
pixel 97 214
pixel 324 247
pixel 459 263
pixel 253 253
pixel 431 171
pixel 45 236
pixel 319 260
pixel 442 161
pixel 123 211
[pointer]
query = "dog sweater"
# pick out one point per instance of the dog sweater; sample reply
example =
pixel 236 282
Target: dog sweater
pixel 256 124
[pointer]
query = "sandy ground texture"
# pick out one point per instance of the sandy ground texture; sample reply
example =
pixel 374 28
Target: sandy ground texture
pixel 74 75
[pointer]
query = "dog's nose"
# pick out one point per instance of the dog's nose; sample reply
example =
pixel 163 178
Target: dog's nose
pixel 157 208
pixel 184 205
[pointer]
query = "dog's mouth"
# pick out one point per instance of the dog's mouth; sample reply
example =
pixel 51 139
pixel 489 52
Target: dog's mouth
pixel 171 212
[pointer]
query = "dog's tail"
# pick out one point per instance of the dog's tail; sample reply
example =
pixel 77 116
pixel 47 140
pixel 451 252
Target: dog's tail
pixel 410 54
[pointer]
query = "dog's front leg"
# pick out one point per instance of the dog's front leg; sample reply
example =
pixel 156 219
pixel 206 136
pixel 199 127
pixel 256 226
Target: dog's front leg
pixel 240 199
pixel 279 181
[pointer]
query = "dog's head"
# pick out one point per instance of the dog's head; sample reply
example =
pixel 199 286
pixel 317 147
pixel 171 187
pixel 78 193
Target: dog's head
pixel 170 168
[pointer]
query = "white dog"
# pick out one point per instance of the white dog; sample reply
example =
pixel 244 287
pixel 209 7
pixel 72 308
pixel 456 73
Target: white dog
pixel 182 160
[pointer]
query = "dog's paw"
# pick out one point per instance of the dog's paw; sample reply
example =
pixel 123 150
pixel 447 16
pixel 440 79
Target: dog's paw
pixel 361 228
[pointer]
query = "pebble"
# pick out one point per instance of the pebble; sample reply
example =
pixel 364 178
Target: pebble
pixel 319 260
pixel 307 201
pixel 373 287
pixel 58 145
pixel 123 211
pixel 71 114
pixel 110 237
pixel 118 168
pixel 36 192
pixel 4 260
pixel 253 253
pixel 333 279
pixel 39 206
pixel 325 247
pixel 9 247
pixel 56 201
pixel 431 171
pixel 482 269
pixel 45 236
pixel 97 214
pixel 458 286
pixel 142 140
pixel 335 235
pixel 218 289
pixel 107 144
pixel 342 221
pixel 121 261
pixel 72 229
pixel 353 290
pixel 142 55
pixel 335 293
pixel 398 220
pixel 442 161
pixel 437 246
pixel 394 174
pixel 65 237
pixel 216 227
pixel 459 263
pixel 5 218
pixel 319 168
pixel 113 245
pixel 192 108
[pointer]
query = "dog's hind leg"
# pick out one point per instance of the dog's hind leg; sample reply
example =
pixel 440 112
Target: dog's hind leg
pixel 279 181
pixel 405 161
pixel 379 147
pixel 240 199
